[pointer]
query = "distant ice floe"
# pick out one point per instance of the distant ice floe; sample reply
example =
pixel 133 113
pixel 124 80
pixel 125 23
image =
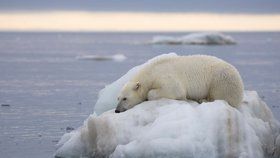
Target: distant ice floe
pixel 172 128
pixel 116 57
pixel 196 39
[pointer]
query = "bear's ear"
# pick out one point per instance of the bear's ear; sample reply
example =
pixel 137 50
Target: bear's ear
pixel 137 86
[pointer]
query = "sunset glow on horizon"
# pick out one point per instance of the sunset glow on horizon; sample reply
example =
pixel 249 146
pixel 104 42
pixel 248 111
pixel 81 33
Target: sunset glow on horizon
pixel 140 21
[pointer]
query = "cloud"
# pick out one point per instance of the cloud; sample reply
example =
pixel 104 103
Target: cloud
pixel 142 21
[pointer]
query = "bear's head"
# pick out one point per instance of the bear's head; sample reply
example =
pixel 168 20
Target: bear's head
pixel 129 96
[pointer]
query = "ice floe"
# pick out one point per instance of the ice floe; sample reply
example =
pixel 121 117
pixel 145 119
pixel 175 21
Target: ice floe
pixel 196 39
pixel 116 57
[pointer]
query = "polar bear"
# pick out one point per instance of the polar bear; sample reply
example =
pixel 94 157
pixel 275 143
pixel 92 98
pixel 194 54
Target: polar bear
pixel 195 77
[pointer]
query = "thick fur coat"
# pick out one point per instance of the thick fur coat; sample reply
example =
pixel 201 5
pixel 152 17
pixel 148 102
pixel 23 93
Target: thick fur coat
pixel 197 77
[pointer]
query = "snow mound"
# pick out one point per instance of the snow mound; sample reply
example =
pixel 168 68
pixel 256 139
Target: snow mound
pixel 116 57
pixel 172 128
pixel 196 39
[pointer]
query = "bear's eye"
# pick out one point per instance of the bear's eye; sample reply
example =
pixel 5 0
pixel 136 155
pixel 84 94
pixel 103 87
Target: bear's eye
pixel 124 99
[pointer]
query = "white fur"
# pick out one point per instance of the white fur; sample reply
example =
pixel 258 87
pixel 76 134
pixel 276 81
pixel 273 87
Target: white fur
pixel 196 77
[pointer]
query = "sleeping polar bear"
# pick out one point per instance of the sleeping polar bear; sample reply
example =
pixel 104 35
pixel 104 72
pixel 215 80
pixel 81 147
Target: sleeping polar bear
pixel 196 77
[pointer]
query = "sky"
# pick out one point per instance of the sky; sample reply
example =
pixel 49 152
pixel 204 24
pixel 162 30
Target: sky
pixel 139 15
pixel 218 6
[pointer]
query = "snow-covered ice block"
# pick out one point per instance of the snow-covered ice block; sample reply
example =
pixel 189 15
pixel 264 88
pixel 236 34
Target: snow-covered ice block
pixel 172 128
pixel 211 38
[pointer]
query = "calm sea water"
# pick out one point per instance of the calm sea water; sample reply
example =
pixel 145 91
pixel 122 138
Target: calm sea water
pixel 48 89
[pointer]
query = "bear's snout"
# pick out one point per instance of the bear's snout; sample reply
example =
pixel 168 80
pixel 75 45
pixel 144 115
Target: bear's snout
pixel 120 108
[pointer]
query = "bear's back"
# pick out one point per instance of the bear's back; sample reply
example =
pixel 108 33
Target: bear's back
pixel 184 67
pixel 193 63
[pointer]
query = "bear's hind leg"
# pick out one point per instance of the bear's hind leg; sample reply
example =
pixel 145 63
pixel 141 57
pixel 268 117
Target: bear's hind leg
pixel 228 87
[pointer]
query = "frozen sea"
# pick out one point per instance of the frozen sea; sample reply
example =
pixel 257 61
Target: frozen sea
pixel 49 90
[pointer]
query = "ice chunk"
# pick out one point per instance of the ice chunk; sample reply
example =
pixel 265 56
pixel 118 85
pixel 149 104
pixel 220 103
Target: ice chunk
pixel 171 128
pixel 196 38
pixel 116 57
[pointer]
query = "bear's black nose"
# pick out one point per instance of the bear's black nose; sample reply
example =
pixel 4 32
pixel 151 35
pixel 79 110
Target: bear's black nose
pixel 117 111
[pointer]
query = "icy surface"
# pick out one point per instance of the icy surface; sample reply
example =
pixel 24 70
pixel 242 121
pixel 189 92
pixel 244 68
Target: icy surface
pixel 48 89
pixel 116 57
pixel 171 128
pixel 196 38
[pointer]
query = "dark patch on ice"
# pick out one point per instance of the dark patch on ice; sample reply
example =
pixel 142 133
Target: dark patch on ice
pixel 245 102
pixel 55 141
pixel 5 105
pixel 69 129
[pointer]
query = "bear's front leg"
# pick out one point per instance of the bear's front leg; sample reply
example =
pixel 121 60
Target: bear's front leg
pixel 156 94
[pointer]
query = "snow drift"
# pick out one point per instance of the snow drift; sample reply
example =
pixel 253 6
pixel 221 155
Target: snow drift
pixel 196 38
pixel 172 128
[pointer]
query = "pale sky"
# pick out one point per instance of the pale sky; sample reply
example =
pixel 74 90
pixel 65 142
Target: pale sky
pixel 127 21
pixel 135 15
